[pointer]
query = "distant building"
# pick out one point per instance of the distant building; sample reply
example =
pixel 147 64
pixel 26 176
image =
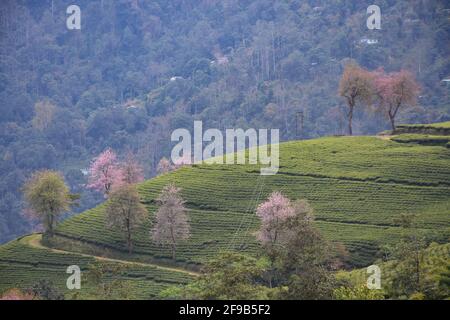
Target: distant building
pixel 219 57
pixel 222 60
pixel 132 104
pixel 368 41
pixel 446 80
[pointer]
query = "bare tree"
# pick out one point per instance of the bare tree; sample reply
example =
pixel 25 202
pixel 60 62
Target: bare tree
pixel 132 171
pixel 172 224
pixel 125 212
pixel 164 166
pixel 356 87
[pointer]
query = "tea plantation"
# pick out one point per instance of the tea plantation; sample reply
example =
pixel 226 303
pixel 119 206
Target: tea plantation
pixel 441 128
pixel 23 263
pixel 357 186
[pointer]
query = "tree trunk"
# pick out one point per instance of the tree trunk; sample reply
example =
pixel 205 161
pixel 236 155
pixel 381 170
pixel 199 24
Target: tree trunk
pixel 271 271
pixel 174 249
pixel 174 245
pixel 50 226
pixel 350 118
pixel 392 119
pixel 130 246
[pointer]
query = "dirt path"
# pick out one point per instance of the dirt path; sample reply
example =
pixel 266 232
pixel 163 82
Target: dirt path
pixel 34 240
pixel 384 137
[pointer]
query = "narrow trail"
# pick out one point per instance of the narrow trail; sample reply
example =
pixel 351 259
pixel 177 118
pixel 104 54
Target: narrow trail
pixel 384 137
pixel 34 240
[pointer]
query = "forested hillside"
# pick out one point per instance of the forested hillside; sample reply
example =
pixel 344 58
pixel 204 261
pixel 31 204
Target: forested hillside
pixel 139 69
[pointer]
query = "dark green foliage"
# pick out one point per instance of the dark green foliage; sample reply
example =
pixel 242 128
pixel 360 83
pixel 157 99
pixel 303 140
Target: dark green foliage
pixel 108 280
pixel 408 254
pixel 229 276
pixel 444 282
pixel 45 290
pixel 396 284
pixel 302 262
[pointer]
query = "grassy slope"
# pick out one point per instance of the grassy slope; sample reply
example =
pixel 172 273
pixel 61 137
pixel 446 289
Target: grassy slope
pixel 23 262
pixel 355 184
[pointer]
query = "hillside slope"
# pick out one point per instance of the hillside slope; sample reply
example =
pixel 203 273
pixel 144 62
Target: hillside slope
pixel 25 261
pixel 357 186
pixel 252 63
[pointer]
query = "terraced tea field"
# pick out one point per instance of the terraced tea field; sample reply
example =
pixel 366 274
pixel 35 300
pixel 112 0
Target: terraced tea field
pixel 356 185
pixel 24 262
pixel 424 139
pixel 441 128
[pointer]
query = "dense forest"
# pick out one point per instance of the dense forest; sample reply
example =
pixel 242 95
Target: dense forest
pixel 139 69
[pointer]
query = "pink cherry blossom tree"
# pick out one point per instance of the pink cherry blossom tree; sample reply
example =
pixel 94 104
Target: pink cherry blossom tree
pixel 280 221
pixel 395 91
pixel 105 172
pixel 273 212
pixel 164 166
pixel 16 294
pixel 185 160
pixel 172 224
